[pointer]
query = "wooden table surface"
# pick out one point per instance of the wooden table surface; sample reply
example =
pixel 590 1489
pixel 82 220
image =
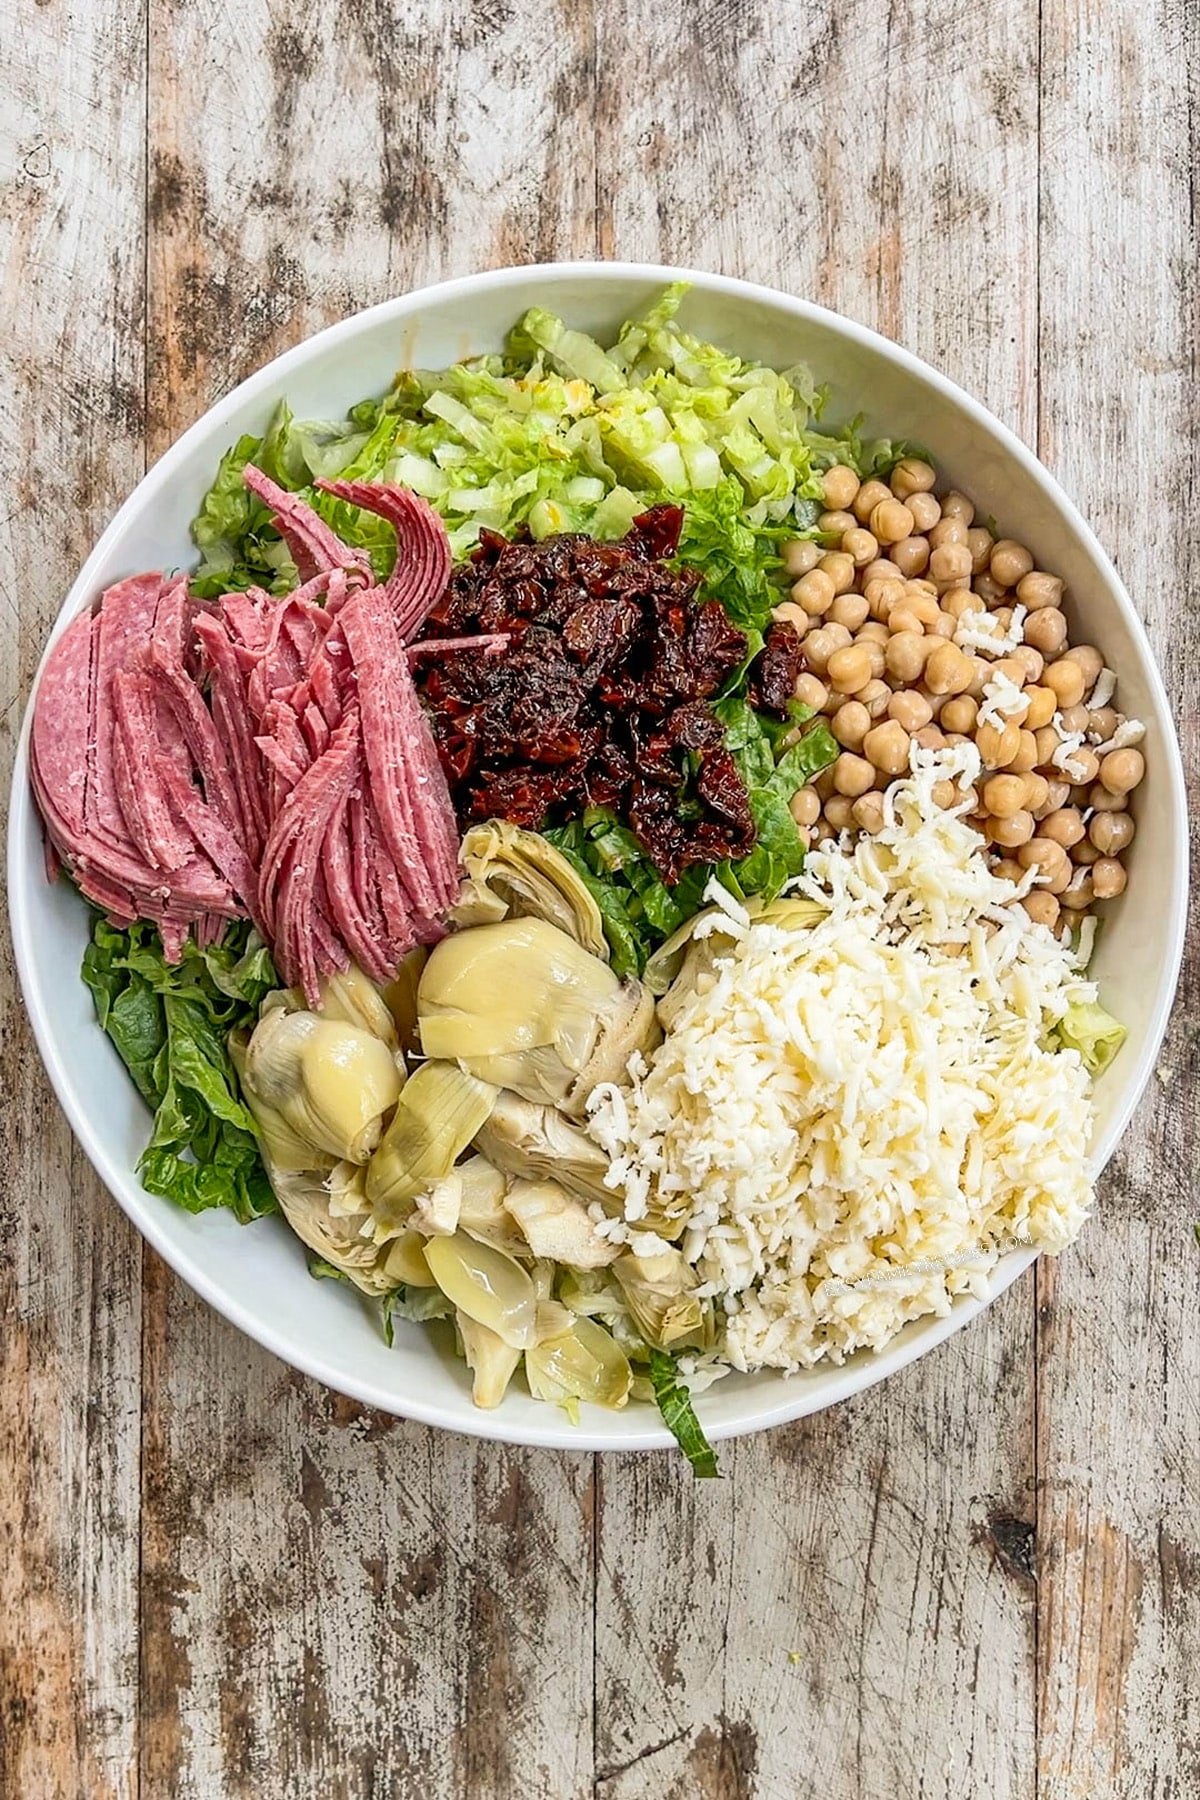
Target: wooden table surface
pixel 217 1578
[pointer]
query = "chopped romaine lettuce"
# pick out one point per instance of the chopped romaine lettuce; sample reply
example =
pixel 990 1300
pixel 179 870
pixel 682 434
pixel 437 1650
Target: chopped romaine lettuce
pixel 1088 1028
pixel 679 1416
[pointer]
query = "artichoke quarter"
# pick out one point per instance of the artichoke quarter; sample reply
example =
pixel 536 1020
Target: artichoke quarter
pixel 523 1006
pixel 438 1113
pixel 519 874
pixel 320 1082
pixel 537 1143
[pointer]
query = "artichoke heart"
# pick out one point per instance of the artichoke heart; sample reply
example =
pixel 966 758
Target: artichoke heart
pixel 537 1142
pixel 438 1113
pixel 586 1363
pixel 522 1005
pixel 512 873
pixel 557 1225
pixel 490 1287
pixel 330 1082
pixel 660 1292
pixel 354 998
pixel 400 998
pixel 492 1362
pixel 692 948
pixel 283 1148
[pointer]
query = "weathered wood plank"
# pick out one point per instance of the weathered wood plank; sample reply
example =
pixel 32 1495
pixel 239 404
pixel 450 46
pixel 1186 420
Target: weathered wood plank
pixel 852 1614
pixel 1119 1345
pixel 334 1603
pixel 71 246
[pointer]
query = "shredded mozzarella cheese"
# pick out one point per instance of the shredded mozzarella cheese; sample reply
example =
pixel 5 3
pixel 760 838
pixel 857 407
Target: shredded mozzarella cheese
pixel 859 1117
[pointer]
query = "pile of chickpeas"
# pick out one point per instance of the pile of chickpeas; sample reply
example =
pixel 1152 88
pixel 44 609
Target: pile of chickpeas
pixel 877 618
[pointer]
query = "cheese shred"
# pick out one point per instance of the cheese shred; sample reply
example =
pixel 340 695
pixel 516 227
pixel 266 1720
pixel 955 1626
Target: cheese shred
pixel 856 1118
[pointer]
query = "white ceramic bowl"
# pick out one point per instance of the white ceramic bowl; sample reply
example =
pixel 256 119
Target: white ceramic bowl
pixel 256 1275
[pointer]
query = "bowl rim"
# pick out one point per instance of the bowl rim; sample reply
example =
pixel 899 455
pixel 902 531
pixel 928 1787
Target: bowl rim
pixel 143 1210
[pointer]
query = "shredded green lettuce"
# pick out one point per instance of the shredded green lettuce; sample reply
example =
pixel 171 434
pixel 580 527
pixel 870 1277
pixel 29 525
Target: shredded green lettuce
pixel 560 434
pixel 675 1405
pixel 169 1024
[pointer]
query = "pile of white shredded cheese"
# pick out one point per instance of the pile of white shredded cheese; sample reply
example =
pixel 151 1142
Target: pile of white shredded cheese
pixel 860 1116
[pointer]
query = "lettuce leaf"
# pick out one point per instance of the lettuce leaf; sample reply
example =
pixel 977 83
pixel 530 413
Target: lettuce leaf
pixel 169 1024
pixel 679 1416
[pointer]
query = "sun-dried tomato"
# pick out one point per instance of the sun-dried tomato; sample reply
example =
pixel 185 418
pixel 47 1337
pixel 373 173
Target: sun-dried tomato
pixel 601 697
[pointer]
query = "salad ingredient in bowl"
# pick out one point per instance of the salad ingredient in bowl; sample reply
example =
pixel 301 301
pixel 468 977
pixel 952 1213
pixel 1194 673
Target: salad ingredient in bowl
pixel 611 859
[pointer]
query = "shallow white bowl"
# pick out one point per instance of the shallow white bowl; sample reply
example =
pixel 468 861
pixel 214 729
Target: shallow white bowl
pixel 256 1275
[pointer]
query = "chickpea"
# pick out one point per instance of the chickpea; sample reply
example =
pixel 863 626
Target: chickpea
pixel 1100 800
pixel 861 545
pixel 833 524
pixel 947 531
pixel 840 485
pixel 1121 770
pixel 1074 718
pixel 1066 678
pixel 1103 720
pixel 926 510
pixel 814 592
pixel 1036 591
pixel 911 555
pixel 849 610
pixel 930 738
pixel 959 600
pixel 1083 767
pixel 958 714
pixel 1004 795
pixel 1085 852
pixel 1079 892
pixel 882 569
pixel 1047 631
pixel 852 775
pixel 950 564
pixel 1046 855
pixel 921 597
pixel 1108 878
pixel 867 812
pixel 1030 661
pixel 1043 704
pixel 988 589
pixel 1111 832
pixel 1065 826
pixel 882 596
pixel 887 747
pixel 850 724
pixel 868 497
pixel 1037 792
pixel 1026 757
pixel 1058 793
pixel 875 697
pixel 838 813
pixel 1010 562
pixel 912 476
pixel 943 626
pixel 1089 660
pixel 979 543
pixel 957 506
pixel 820 645
pixel 810 692
pixel 980 675
pixel 998 744
pixel 1047 741
pixel 840 569
pixel 891 521
pixel 805 806
pixel 873 632
pixel 1042 908
pixel 905 655
pixel 910 709
pixel 823 785
pixel 878 658
pixel 822 832
pixel 831 705
pixel 1017 829
pixel 945 795
pixel 800 555
pixel 849 669
pixel 1006 868
pixel 947 671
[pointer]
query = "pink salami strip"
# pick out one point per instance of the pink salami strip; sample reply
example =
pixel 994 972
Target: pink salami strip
pixel 422 566
pixel 138 765
pixel 360 935
pixel 62 723
pixel 184 698
pixel 126 622
pixel 314 545
pixel 391 735
pixel 316 729
pixel 288 876
pixel 228 698
pixel 211 832
pixel 489 643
